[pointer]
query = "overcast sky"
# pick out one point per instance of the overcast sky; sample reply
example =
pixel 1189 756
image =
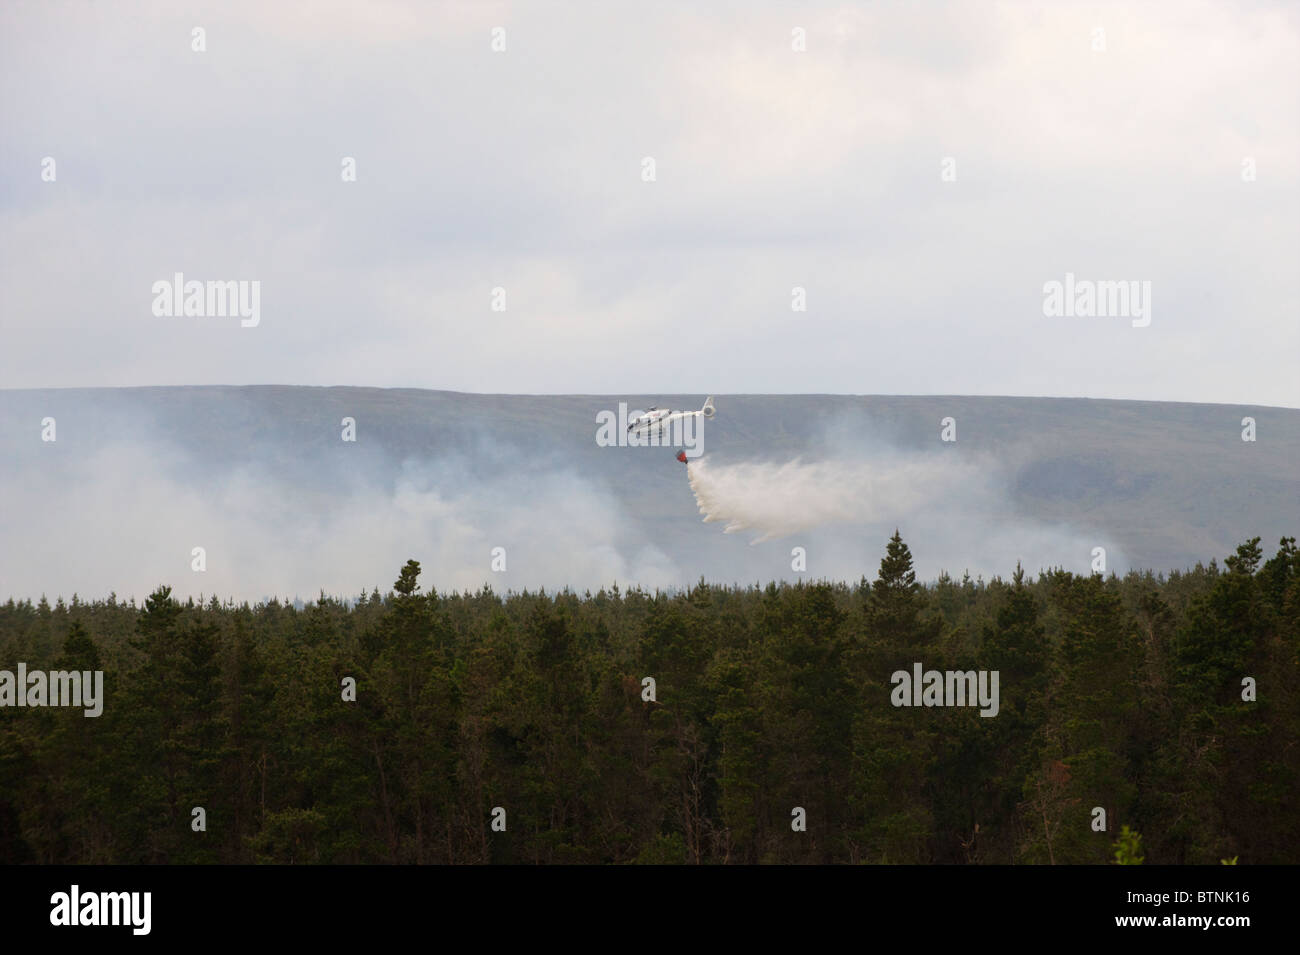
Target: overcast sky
pixel 1119 155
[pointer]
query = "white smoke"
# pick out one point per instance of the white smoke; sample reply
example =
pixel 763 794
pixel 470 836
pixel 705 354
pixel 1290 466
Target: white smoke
pixel 128 517
pixel 115 506
pixel 955 511
pixel 777 500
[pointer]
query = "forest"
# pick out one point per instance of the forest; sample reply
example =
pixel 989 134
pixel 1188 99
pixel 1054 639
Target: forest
pixel 712 725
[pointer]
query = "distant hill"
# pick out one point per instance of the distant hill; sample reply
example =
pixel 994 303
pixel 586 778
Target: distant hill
pixel 1164 485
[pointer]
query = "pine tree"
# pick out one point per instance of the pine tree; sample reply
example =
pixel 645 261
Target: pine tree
pixel 895 605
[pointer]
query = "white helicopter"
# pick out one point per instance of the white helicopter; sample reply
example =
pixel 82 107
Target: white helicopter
pixel 661 419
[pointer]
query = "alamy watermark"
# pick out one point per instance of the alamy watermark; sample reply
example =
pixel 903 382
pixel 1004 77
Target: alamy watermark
pixel 637 429
pixel 75 907
pixel 946 688
pixel 194 299
pixel 1088 299
pixel 84 688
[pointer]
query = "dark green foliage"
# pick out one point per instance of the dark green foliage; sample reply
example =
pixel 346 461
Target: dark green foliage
pixel 1120 694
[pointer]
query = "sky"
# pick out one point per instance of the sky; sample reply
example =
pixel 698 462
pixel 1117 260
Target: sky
pixel 922 171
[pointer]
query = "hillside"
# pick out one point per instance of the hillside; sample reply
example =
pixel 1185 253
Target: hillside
pixel 136 475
